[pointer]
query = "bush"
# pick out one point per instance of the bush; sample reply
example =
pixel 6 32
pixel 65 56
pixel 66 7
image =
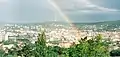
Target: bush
pixel 87 48
pixel 115 52
pixel 90 48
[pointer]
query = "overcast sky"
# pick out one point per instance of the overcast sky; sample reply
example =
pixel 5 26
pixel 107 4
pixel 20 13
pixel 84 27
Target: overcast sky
pixel 29 11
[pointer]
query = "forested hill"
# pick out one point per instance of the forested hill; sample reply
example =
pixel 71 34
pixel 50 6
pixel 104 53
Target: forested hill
pixel 101 23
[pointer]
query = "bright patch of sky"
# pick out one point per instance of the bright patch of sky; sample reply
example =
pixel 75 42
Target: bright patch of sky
pixel 31 11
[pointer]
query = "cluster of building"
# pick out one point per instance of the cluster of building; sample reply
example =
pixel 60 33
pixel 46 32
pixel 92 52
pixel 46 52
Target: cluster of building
pixel 55 33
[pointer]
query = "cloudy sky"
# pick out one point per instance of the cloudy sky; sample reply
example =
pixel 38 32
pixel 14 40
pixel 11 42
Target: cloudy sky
pixel 29 11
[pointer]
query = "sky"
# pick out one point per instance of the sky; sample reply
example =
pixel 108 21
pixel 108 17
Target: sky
pixel 31 11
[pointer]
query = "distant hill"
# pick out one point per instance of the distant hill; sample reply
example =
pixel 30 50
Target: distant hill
pixel 107 25
pixel 100 23
pixel 58 22
pixel 110 22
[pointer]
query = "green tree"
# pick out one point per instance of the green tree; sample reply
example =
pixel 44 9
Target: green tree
pixel 94 47
pixel 90 48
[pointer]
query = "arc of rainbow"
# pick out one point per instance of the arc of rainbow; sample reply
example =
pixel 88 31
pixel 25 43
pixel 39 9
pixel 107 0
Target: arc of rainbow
pixel 64 16
pixel 60 11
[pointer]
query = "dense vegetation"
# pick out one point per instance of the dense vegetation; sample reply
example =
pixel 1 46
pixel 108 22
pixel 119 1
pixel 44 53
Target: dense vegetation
pixel 94 47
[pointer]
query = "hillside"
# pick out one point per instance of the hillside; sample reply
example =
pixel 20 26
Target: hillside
pixel 101 23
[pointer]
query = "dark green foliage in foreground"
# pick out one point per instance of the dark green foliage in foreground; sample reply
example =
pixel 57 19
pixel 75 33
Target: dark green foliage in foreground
pixel 8 42
pixel 1 53
pixel 115 52
pixel 90 48
pixel 87 48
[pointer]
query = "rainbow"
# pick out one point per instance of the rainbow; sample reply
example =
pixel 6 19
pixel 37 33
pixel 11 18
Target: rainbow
pixel 65 17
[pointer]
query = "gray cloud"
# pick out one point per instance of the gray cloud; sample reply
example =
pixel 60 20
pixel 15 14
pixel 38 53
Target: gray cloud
pixel 85 5
pixel 27 11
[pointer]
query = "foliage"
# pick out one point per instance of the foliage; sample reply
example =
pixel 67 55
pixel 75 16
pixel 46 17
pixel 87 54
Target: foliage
pixel 7 42
pixel 94 47
pixel 1 53
pixel 115 52
pixel 90 48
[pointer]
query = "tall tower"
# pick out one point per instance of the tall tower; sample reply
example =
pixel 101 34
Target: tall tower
pixel 6 36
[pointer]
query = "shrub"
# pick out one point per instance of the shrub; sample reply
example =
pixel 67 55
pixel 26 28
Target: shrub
pixel 90 48
pixel 94 47
pixel 115 52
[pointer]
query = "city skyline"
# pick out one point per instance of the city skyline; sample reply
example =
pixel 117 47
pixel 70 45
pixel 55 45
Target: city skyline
pixel 29 11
